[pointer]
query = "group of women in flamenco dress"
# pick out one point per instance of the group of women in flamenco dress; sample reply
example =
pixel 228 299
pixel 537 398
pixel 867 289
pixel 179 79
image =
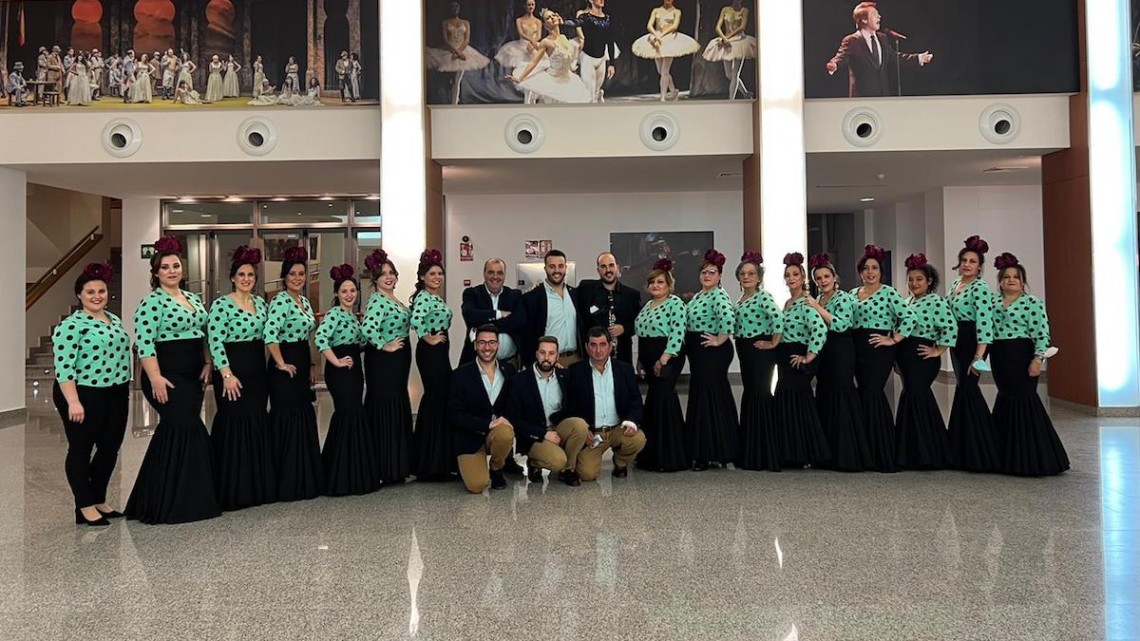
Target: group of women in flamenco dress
pixel 556 69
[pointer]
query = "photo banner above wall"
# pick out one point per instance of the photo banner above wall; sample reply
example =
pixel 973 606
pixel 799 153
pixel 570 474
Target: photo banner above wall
pixel 963 47
pixel 140 54
pixel 588 51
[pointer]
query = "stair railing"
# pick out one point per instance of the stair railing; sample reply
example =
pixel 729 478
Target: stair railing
pixel 61 267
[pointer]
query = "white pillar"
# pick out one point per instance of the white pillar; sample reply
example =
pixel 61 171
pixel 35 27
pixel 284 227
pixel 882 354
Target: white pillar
pixel 142 223
pixel 13 259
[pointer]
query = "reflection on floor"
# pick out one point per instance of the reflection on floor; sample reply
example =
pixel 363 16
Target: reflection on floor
pixel 712 555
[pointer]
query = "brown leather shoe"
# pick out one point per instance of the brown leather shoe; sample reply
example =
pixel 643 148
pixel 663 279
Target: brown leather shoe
pixel 620 472
pixel 570 477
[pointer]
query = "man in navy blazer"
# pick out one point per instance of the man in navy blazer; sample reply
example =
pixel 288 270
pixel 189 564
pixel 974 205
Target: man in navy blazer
pixel 494 303
pixel 475 409
pixel 868 55
pixel 604 392
pixel 552 310
pixel 552 439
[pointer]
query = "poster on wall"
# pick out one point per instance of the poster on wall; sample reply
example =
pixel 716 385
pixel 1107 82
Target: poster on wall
pixel 637 251
pixel 536 249
pixel 968 47
pixel 162 54
pixel 588 51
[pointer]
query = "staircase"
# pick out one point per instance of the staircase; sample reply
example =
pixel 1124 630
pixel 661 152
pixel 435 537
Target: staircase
pixel 39 368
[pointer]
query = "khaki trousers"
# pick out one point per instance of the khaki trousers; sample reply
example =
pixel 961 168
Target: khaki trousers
pixel 626 449
pixel 473 467
pixel 574 433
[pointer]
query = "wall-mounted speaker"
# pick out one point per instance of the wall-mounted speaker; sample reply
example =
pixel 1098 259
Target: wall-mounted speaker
pixel 257 136
pixel 525 133
pixel 659 131
pixel 862 127
pixel 122 137
pixel 1000 124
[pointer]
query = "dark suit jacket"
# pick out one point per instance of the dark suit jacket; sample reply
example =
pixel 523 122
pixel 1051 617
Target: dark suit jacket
pixel 534 302
pixel 866 76
pixel 578 399
pixel 525 410
pixel 477 310
pixel 469 409
pixel 626 305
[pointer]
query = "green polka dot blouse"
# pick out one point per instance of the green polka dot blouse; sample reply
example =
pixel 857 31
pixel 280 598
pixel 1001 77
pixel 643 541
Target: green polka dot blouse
pixel 430 315
pixel 664 320
pixel 974 303
pixel 1024 318
pixel 289 321
pixel 160 318
pixel 229 323
pixel 90 352
pixel 710 312
pixel 758 315
pixel 338 327
pixel 933 320
pixel 841 306
pixel 884 310
pixel 803 325
pixel 385 320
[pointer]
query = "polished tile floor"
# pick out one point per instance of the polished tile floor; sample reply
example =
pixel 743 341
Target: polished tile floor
pixel 713 555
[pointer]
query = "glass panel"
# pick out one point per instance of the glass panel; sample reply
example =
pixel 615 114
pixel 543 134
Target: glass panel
pixel 326 250
pixel 196 262
pixel 366 242
pixel 366 212
pixel 304 212
pixel 209 213
pixel 225 245
pixel 273 247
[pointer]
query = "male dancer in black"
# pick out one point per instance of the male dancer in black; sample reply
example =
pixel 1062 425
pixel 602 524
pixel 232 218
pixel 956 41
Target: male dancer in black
pixel 596 28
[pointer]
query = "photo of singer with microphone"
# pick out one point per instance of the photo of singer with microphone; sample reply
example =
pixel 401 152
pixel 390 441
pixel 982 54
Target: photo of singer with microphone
pixel 873 56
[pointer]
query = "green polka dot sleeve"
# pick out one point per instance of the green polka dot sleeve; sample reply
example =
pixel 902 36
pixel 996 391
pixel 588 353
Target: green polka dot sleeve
pixel 338 327
pixel 933 320
pixel 289 322
pixel 1024 318
pixel 710 312
pixel 841 306
pixel 759 315
pixel 974 303
pixel 803 325
pixel 884 310
pixel 666 320
pixel 430 315
pixel 385 320
pixel 159 318
pixel 90 352
pixel 229 323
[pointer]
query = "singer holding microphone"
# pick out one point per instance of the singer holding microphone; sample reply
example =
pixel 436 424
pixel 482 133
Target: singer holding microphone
pixel 867 54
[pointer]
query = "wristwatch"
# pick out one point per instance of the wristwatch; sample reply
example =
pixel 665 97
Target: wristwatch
pixel 227 376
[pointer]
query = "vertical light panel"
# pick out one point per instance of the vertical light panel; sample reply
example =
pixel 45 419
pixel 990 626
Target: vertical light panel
pixel 1112 186
pixel 403 182
pixel 783 168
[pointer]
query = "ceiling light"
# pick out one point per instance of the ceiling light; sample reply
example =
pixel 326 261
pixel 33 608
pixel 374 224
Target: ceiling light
pixel 203 215
pixel 326 197
pixel 177 211
pixel 187 199
pixel 279 199
pixel 233 199
pixel 867 199
pixel 373 197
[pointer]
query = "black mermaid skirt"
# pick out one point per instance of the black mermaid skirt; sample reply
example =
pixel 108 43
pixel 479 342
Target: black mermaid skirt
pixel 389 411
pixel 711 424
pixel 293 427
pixel 923 442
pixel 802 441
pixel 433 452
pixel 243 460
pixel 662 423
pixel 1028 442
pixel 759 437
pixel 873 367
pixel 351 457
pixel 840 411
pixel 971 425
pixel 176 479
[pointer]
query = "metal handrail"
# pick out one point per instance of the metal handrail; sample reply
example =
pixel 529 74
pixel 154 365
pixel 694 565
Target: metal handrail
pixel 61 267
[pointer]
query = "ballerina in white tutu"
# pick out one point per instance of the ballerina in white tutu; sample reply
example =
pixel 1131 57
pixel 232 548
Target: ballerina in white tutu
pixel 518 53
pixel 663 43
pixel 554 82
pixel 732 46
pixel 459 57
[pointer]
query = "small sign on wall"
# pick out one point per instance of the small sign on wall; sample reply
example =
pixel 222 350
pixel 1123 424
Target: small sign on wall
pixel 536 249
pixel 146 252
pixel 466 250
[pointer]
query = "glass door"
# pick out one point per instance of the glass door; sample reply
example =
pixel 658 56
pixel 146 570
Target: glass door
pixel 223 246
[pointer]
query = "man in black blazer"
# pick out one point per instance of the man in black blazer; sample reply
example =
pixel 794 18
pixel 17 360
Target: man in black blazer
pixel 475 409
pixel 552 310
pixel 552 439
pixel 604 392
pixel 867 54
pixel 606 302
pixel 495 303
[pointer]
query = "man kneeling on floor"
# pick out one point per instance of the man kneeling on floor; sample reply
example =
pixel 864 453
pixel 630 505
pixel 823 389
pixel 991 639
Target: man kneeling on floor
pixel 476 411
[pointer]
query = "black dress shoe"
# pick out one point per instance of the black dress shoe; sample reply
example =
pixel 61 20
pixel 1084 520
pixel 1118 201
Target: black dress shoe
pixel 700 466
pixel 512 466
pixel 620 472
pixel 570 477
pixel 533 473
pixel 498 481
pixel 113 514
pixel 82 520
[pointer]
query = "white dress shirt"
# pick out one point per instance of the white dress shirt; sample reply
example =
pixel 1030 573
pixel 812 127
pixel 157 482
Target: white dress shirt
pixel 605 405
pixel 551 392
pixel 561 318
pixel 493 387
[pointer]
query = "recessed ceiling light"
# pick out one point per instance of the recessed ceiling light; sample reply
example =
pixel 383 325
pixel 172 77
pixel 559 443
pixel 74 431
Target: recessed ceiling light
pixel 203 215
pixel 187 199
pixel 233 199
pixel 279 199
pixel 177 211
pixel 326 198
pixel 867 199
pixel 373 197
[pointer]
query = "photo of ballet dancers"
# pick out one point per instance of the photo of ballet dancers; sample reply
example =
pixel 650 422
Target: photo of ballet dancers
pixel 966 47
pixel 589 51
pixel 162 54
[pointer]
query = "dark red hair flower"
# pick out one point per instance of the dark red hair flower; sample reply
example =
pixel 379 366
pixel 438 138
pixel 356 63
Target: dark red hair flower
pixel 820 260
pixel 976 244
pixel 431 257
pixel 341 272
pixel 1006 260
pixel 167 245
pixel 876 252
pixel 99 271
pixel 916 261
pixel 794 258
pixel 295 255
pixel 246 255
pixel 663 264
pixel 714 257
pixel 375 261
pixel 752 257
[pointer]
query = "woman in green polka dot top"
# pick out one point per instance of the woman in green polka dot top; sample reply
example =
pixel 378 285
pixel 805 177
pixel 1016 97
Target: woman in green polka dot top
pixel 1028 443
pixel 758 322
pixel 922 440
pixel 170 333
pixel 434 457
pixel 92 354
pixel 292 420
pixel 241 389
pixel 387 364
pixel 660 330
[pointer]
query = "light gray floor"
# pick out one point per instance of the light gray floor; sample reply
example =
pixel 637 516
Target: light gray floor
pixel 713 555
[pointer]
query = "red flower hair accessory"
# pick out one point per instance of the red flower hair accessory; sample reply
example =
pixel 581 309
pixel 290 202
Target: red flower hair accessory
pixel 663 264
pixel 916 261
pixel 714 257
pixel 876 252
pixel 295 255
pixel 246 255
pixel 752 257
pixel 976 244
pixel 820 260
pixel 375 261
pixel 794 258
pixel 1006 260
pixel 430 258
pixel 99 271
pixel 341 272
pixel 167 245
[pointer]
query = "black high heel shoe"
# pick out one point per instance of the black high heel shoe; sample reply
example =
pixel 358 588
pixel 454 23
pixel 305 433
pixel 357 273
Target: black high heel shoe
pixel 113 514
pixel 82 520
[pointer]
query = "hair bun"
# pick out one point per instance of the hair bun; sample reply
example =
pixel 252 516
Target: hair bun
pixel 663 264
pixel 296 254
pixel 375 261
pixel 246 255
pixel 714 257
pixel 1006 260
pixel 341 272
pixel 99 271
pixel 820 260
pixel 976 244
pixel 431 257
pixel 168 245
pixel 794 258
pixel 752 257
pixel 876 252
pixel 916 261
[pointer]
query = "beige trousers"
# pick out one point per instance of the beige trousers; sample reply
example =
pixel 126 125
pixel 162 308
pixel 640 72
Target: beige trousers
pixel 473 467
pixel 574 433
pixel 626 449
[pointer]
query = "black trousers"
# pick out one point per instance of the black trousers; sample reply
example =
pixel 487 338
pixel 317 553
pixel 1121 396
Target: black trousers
pixel 104 424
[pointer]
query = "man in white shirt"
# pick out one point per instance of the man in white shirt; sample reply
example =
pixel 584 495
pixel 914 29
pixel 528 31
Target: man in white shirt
pixel 476 406
pixel 551 310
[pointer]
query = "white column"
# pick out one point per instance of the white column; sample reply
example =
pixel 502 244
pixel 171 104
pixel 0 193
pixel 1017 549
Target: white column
pixel 142 223
pixel 13 259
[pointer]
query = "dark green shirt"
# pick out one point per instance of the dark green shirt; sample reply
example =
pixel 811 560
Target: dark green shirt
pixel 884 310
pixel 841 306
pixel 933 320
pixel 974 304
pixel 710 312
pixel 339 327
pixel 1024 318
pixel 160 318
pixel 758 315
pixel 803 325
pixel 289 322
pixel 229 323
pixel 665 320
pixel 90 352
pixel 385 320
pixel 430 315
